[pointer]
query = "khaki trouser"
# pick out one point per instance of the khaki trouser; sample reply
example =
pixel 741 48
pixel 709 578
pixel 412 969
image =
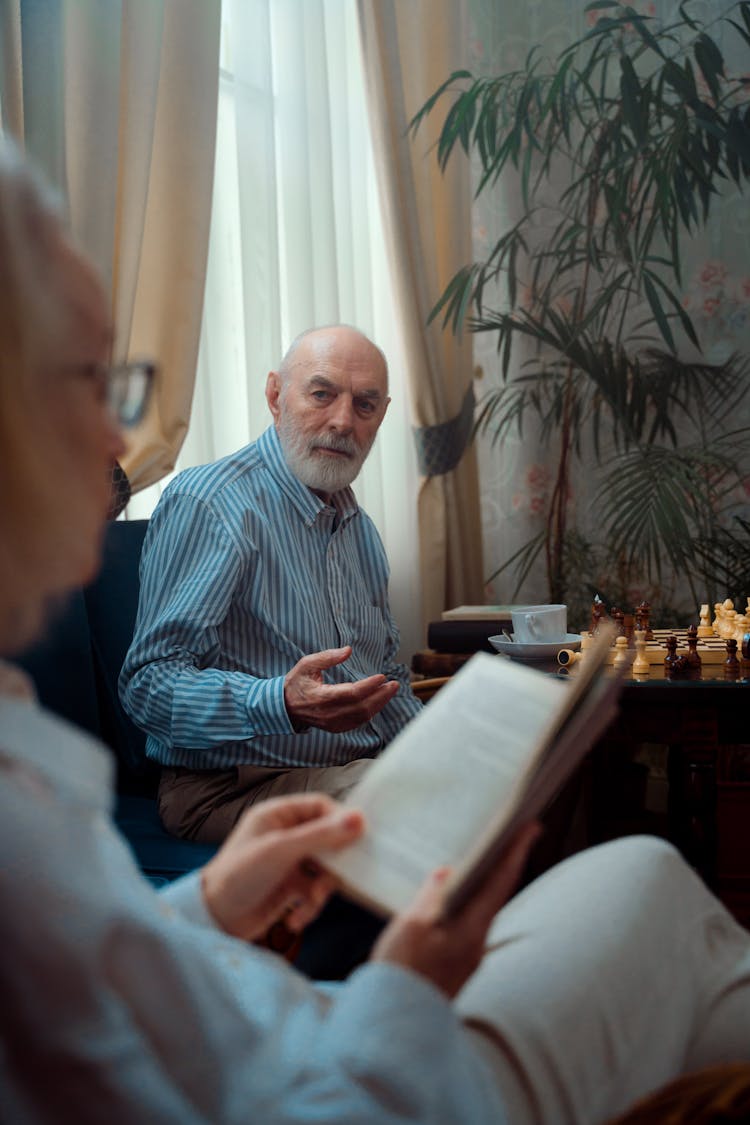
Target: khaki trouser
pixel 205 805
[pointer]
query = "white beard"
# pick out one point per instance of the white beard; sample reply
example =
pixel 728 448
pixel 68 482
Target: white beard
pixel 315 470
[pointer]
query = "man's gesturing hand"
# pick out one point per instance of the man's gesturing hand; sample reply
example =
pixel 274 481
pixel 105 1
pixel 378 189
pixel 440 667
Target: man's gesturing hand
pixel 310 701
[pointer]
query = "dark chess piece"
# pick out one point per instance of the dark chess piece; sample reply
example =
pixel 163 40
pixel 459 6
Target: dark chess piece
pixel 731 664
pixel 643 620
pixel 693 656
pixel 672 662
pixel 675 665
pixel 598 613
pixel 628 624
pixel 619 619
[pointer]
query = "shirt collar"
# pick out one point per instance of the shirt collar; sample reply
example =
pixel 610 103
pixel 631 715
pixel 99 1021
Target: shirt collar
pixel 303 498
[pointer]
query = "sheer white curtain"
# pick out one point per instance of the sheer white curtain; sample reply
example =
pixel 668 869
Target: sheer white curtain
pixel 296 240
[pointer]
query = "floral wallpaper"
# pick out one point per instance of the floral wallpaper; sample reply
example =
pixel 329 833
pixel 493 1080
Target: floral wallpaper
pixel 517 475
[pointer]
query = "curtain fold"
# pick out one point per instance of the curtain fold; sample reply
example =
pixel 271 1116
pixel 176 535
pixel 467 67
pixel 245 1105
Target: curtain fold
pixel 297 240
pixel 409 50
pixel 116 102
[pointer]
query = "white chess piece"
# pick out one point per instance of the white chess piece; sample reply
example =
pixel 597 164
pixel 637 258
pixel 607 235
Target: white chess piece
pixel 727 627
pixel 641 666
pixel 622 652
pixel 704 629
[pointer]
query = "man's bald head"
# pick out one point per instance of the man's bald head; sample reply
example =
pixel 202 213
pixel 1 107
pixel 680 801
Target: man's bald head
pixel 316 343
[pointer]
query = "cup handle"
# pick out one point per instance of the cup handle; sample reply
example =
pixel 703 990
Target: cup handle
pixel 532 624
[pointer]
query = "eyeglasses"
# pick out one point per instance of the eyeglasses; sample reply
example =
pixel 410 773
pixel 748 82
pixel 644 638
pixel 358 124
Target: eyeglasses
pixel 126 387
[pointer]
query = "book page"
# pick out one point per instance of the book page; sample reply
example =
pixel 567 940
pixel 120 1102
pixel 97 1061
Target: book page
pixel 458 765
pixel 583 725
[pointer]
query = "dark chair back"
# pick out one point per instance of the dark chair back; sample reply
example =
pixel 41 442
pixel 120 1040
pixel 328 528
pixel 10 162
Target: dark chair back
pixel 75 668
pixel 62 668
pixel 111 606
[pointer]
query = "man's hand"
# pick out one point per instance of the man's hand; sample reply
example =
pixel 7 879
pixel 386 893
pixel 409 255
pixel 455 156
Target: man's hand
pixel 263 869
pixel 311 702
pixel 448 950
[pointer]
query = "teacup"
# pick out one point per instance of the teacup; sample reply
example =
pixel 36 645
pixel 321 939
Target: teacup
pixel 540 624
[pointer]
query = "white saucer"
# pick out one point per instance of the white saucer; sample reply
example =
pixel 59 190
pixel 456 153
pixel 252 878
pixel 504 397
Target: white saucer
pixel 547 651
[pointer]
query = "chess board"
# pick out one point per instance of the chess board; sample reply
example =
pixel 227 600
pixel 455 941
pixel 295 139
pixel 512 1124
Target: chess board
pixel 712 650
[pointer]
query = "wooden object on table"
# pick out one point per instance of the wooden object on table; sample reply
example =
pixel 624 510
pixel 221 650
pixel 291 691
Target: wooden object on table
pixel 462 635
pixel 711 650
pixel 693 656
pixel 641 666
pixel 643 619
pixel 704 629
pixel 598 614
pixel 622 655
pixel 426 662
pixel 425 689
pixel 672 662
pixel 478 613
pixel 731 664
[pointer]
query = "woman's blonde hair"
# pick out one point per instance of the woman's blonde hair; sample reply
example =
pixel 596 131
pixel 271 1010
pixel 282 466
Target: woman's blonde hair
pixel 32 319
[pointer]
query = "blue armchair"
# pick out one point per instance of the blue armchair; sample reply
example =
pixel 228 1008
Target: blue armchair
pixel 75 668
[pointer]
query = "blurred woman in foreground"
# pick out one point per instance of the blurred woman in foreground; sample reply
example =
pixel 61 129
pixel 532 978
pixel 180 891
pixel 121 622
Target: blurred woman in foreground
pixel 612 974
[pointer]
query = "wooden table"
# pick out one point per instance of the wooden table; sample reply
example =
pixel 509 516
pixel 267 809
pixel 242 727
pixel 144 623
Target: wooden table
pixel 704 725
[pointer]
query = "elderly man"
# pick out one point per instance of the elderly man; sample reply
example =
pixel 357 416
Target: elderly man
pixel 263 660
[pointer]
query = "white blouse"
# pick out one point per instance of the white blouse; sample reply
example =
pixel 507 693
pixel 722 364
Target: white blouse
pixel 121 1004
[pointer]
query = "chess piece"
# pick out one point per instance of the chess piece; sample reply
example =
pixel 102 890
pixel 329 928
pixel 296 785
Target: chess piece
pixel 727 615
pixel 641 666
pixel 673 663
pixel 704 629
pixel 716 623
pixel 622 654
pixel 619 619
pixel 741 626
pixel 566 657
pixel 731 664
pixel 693 657
pixel 727 629
pixel 628 623
pixel 598 613
pixel 643 619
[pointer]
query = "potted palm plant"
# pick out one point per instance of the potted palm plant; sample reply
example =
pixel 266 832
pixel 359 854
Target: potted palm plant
pixel 616 152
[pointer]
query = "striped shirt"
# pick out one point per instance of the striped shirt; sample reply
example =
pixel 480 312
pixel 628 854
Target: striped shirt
pixel 245 570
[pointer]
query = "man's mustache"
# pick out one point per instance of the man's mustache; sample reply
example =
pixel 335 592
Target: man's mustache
pixel 337 442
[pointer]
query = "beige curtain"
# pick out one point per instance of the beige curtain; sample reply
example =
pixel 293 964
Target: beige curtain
pixel 116 101
pixel 410 47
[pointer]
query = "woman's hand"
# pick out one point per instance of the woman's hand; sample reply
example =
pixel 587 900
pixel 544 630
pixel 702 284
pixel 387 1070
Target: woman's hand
pixel 264 869
pixel 448 950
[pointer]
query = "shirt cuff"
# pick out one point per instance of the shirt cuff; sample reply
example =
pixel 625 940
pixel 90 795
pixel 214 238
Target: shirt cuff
pixel 185 895
pixel 266 709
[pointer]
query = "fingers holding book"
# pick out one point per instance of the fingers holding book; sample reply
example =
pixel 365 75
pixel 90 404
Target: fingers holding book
pixel 446 949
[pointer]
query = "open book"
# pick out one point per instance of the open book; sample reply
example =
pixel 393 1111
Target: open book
pixel 487 754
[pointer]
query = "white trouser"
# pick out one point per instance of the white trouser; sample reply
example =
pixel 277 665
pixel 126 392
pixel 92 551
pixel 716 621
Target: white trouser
pixel 610 975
